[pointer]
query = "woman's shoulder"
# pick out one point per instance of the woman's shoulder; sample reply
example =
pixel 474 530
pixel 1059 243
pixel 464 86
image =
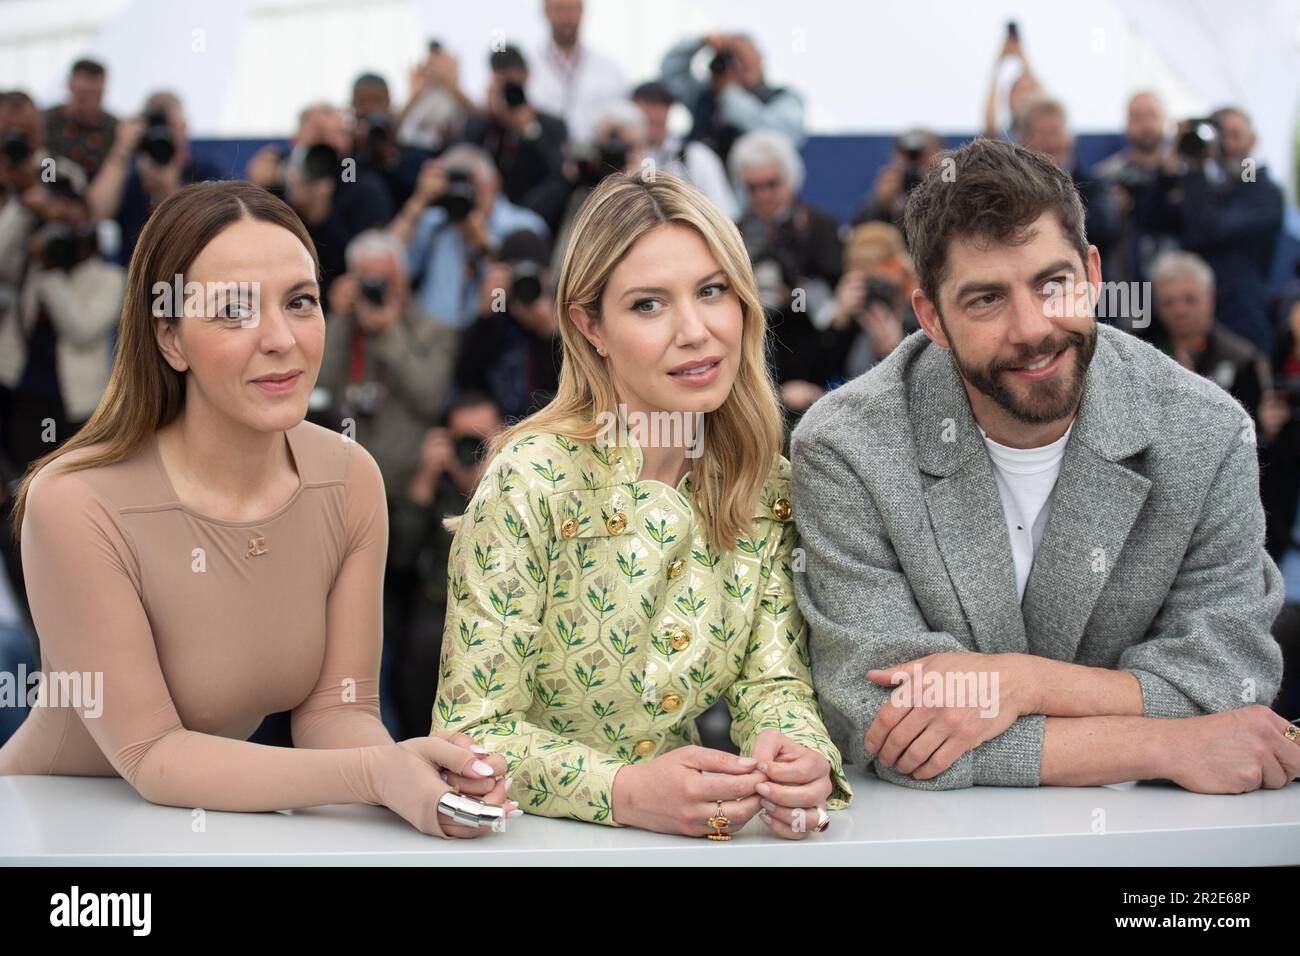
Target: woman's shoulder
pixel 75 479
pixel 551 462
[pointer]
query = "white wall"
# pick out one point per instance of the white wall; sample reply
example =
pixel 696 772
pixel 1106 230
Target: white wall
pixel 245 67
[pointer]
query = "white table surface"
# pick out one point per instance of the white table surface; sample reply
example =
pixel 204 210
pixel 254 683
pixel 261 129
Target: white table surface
pixel 102 821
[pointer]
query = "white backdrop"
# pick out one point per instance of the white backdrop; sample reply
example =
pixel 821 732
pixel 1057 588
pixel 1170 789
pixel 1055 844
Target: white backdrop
pixel 244 67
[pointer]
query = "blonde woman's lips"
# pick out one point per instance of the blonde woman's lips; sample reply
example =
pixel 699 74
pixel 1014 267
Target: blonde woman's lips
pixel 698 374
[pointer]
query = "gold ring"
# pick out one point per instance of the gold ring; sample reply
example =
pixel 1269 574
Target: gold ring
pixel 1292 732
pixel 823 820
pixel 719 823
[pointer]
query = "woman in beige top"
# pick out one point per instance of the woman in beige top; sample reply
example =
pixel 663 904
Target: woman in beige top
pixel 211 557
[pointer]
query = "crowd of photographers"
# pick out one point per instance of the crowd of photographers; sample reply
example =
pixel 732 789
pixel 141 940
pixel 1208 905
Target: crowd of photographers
pixel 441 222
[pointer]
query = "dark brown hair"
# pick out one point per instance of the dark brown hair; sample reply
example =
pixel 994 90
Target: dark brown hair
pixel 990 190
pixel 144 393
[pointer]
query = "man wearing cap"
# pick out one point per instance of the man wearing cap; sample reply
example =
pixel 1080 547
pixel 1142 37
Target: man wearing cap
pixel 692 161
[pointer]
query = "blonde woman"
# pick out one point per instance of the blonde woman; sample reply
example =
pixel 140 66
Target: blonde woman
pixel 620 569
pixel 201 556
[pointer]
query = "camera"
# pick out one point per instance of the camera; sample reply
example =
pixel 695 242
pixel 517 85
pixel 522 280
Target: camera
pixel 158 141
pixel 374 289
pixel 720 64
pixel 882 291
pixel 459 197
pixel 514 95
pixel 320 161
pixel 64 246
pixel 911 146
pixel 1198 140
pixel 379 130
pixel 16 146
pixel 469 450
pixel 525 282
pixel 609 156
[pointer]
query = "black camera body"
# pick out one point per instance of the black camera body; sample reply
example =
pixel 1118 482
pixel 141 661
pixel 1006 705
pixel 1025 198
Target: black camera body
pixel 374 289
pixel 158 141
pixel 16 146
pixel 459 197
pixel 379 130
pixel 525 282
pixel 514 95
pixel 64 246
pixel 1200 140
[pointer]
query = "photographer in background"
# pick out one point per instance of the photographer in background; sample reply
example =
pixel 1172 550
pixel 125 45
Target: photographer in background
pixel 687 159
pixel 570 79
pixel 618 147
pixel 914 153
pixel 55 336
pixel 451 227
pixel 512 351
pixel 1222 204
pixel 999 111
pixel 735 99
pixel 374 140
pixel 1183 289
pixel 1131 172
pixel 526 144
pixel 437 107
pixel 24 157
pixel 81 128
pixel 386 370
pixel 386 365
pixel 796 253
pixel 310 177
pixel 1041 124
pixel 872 308
pixel 451 464
pixel 149 161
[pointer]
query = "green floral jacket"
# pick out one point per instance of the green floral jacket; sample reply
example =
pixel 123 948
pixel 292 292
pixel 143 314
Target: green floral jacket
pixel 589 622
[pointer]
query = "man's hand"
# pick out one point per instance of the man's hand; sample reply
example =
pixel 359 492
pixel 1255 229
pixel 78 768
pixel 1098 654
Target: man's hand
pixel 946 704
pixel 1235 751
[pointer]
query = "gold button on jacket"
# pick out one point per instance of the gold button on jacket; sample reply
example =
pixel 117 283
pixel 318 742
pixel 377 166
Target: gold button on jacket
pixel 574 644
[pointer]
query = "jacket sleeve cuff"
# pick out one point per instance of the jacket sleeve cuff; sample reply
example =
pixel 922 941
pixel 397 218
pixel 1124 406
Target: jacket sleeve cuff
pixel 1014 758
pixel 1160 698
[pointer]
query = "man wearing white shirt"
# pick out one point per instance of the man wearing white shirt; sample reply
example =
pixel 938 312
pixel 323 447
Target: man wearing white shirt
pixel 569 79
pixel 692 161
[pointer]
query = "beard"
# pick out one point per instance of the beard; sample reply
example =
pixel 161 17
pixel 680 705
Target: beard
pixel 1038 403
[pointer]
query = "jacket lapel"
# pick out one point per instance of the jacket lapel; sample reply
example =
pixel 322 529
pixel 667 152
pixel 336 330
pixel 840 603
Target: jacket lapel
pixel 1095 504
pixel 964 504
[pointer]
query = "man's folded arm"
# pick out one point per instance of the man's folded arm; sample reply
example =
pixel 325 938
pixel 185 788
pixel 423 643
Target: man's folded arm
pixel 862 615
pixel 1210 648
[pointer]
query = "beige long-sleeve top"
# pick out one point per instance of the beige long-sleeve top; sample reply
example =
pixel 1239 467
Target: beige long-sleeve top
pixel 201 627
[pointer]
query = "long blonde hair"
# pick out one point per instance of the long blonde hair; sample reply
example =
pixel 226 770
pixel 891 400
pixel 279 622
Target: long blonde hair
pixel 144 393
pixel 743 436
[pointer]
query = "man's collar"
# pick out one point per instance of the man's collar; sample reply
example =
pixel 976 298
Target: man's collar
pixel 1111 420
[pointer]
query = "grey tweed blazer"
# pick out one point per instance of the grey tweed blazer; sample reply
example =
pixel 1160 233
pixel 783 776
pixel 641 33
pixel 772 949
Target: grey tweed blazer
pixel 1152 560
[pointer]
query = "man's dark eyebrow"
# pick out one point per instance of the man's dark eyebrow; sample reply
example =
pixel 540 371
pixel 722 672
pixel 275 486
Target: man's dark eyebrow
pixel 659 291
pixel 967 288
pixel 1057 267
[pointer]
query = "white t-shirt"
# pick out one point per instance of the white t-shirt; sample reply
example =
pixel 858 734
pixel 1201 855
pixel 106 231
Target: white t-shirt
pixel 1026 478
pixel 575 90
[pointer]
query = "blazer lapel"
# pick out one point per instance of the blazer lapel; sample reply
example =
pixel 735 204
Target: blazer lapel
pixel 964 504
pixel 1095 504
